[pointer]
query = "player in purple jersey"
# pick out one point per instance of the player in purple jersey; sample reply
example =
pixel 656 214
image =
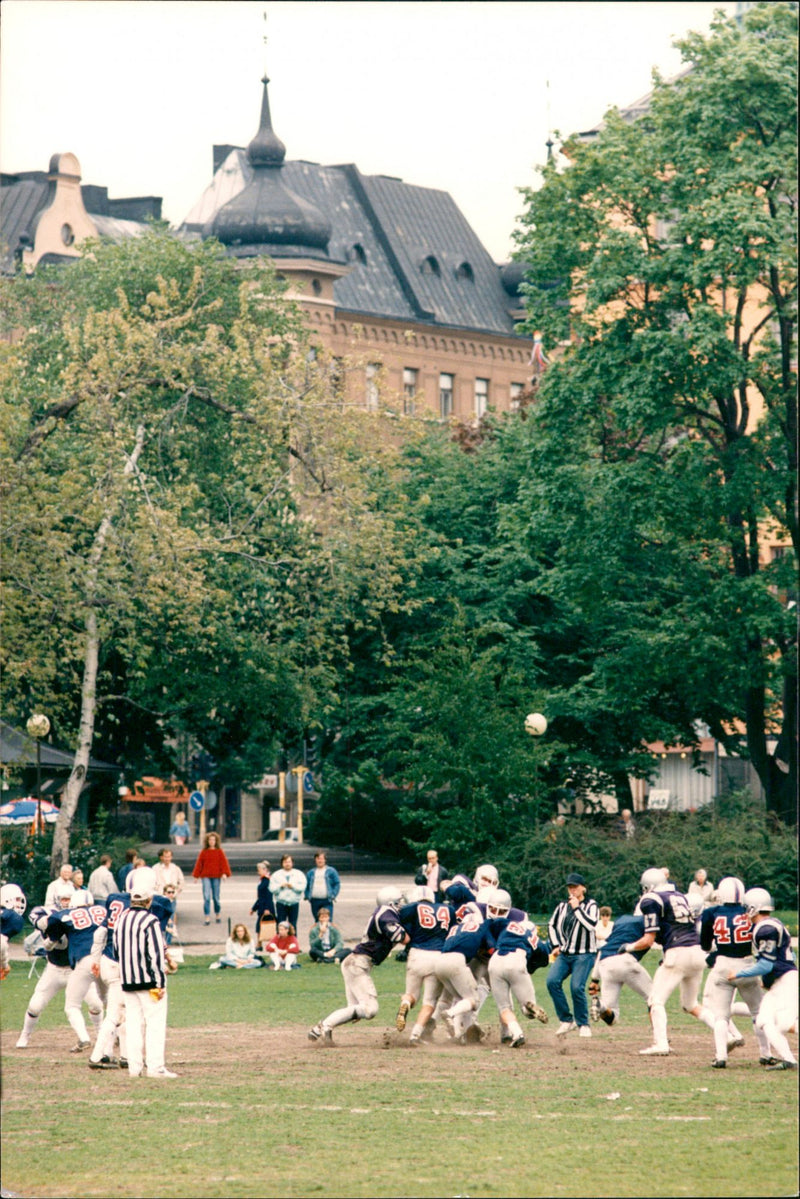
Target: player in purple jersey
pixel 79 924
pixel 519 952
pixel 382 933
pixel 668 920
pixel 616 967
pixel 471 938
pixel 776 967
pixel 726 935
pixel 427 924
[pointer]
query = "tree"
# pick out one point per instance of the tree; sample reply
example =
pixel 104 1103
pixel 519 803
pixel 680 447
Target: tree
pixel 663 459
pixel 176 483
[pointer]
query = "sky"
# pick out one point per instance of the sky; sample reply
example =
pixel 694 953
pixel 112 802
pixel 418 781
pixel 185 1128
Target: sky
pixel 457 96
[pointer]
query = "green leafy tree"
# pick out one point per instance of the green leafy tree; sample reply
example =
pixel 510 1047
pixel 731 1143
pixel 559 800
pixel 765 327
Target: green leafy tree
pixel 663 449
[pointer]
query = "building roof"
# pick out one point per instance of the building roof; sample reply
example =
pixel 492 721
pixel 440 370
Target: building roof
pixel 16 748
pixel 413 255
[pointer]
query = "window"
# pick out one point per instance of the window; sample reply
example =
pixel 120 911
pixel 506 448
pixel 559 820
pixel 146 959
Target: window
pixel 373 395
pixel 409 390
pixel 316 287
pixel 465 271
pixel 430 266
pixel 515 392
pixel 481 397
pixel 446 395
pixel 359 253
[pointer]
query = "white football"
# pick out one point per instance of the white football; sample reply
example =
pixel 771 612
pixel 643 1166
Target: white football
pixel 535 724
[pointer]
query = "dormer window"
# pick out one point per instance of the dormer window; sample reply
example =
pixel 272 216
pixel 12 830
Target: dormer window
pixel 430 266
pixel 359 253
pixel 465 271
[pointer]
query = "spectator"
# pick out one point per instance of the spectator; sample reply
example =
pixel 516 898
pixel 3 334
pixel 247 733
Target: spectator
pixel 325 941
pixel 125 870
pixel 288 887
pixel 626 826
pixel 57 886
pixel 211 867
pixel 700 893
pixel 101 880
pixel 171 929
pixel 180 831
pixel 137 864
pixel 572 936
pixel 322 885
pixel 432 873
pixel 264 906
pixel 284 949
pixel 167 873
pixel 79 884
pixel 604 926
pixel 240 952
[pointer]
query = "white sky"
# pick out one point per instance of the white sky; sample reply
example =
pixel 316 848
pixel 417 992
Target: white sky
pixel 457 96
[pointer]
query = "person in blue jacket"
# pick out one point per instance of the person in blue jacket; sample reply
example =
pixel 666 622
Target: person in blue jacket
pixel 322 886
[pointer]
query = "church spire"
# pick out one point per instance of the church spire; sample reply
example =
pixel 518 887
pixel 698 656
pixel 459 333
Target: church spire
pixel 266 149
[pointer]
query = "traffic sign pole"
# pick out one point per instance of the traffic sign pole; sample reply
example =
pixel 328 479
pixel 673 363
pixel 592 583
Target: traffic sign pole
pixel 202 787
pixel 300 773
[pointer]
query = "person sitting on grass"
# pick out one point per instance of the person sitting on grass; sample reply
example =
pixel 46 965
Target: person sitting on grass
pixel 325 940
pixel 240 952
pixel 284 949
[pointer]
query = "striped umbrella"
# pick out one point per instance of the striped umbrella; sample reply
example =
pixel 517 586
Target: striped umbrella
pixel 24 811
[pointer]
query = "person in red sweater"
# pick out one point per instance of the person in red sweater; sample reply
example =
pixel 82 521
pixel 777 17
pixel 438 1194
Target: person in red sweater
pixel 211 867
pixel 284 948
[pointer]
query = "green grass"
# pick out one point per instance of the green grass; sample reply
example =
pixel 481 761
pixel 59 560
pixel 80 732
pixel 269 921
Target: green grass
pixel 260 1111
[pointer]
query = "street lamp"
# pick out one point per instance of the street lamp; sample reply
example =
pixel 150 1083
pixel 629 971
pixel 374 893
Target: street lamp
pixel 38 726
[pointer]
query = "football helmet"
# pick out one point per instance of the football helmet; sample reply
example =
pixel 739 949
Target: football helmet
pixel 63 892
pixel 143 884
pixel 13 898
pixel 80 899
pixel 499 905
pixel 730 890
pixel 390 897
pixel 417 894
pixel 652 878
pixel 486 876
pixel 756 900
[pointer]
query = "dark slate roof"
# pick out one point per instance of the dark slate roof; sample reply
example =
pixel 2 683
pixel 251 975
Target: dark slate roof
pixel 386 229
pixel 21 198
pixel 16 747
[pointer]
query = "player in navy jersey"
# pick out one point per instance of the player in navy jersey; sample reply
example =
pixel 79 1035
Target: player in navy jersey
pixel 668 919
pixel 460 889
pixel 427 924
pixel 12 920
pixel 79 924
pixel 468 940
pixel 777 969
pixel 518 953
pixel 617 967
pixel 382 933
pixel 726 934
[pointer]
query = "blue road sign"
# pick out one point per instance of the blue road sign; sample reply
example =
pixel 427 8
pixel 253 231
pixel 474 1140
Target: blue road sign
pixel 197 801
pixel 308 782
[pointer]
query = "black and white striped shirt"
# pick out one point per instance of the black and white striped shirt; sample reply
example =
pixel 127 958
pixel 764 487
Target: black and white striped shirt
pixel 573 929
pixel 139 946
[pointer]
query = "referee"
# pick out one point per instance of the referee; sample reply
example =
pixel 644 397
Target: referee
pixel 143 966
pixel 572 936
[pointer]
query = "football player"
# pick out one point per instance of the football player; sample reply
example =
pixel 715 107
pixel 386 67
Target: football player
pixel 78 923
pixel 776 967
pixel 668 920
pixel 382 933
pixel 460 889
pixel 726 934
pixel 519 952
pixel 465 941
pixel 617 967
pixel 12 911
pixel 427 924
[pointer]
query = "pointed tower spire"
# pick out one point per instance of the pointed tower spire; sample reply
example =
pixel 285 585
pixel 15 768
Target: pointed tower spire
pixel 266 149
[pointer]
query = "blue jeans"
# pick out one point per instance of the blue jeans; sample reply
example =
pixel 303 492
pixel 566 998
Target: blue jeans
pixel 579 966
pixel 210 891
pixel 316 904
pixel 288 911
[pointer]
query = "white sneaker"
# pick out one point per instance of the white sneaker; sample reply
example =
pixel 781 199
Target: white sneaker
pixel 654 1051
pixel 162 1073
pixel 584 1031
pixel 564 1027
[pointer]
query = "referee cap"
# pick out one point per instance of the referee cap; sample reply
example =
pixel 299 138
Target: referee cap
pixel 576 880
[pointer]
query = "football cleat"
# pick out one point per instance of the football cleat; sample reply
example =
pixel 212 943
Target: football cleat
pixel 105 1063
pixel 534 1012
pixel 22 1043
pixel 654 1051
pixel 517 1042
pixel 719 1064
pixel 79 1048
pixel 767 1061
pixel 607 1016
pixel 402 1012
pixel 318 1033
pixel 735 1043
pixel 783 1066
pixel 594 1009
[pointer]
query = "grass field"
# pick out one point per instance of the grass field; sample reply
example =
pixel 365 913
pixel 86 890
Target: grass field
pixel 258 1110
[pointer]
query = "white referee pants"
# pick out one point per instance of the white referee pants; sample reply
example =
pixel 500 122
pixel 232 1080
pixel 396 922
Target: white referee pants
pixel 146 1023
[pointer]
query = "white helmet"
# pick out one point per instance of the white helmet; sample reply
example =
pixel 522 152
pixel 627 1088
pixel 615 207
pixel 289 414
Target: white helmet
pixel 417 894
pixel 62 893
pixel 652 878
pixel 486 876
pixel 499 905
pixel 80 899
pixel 756 900
pixel 143 884
pixel 730 890
pixel 390 897
pixel 13 898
